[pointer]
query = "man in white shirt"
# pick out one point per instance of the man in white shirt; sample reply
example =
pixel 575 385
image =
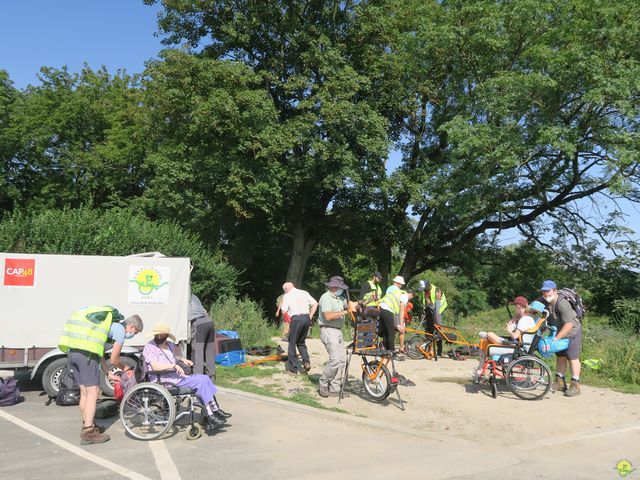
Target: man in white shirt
pixel 302 307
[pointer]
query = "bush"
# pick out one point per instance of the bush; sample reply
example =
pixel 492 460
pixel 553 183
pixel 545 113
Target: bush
pixel 86 231
pixel 244 316
pixel 626 315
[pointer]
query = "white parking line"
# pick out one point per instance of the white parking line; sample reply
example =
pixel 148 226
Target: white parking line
pixel 166 467
pixel 576 438
pixel 114 467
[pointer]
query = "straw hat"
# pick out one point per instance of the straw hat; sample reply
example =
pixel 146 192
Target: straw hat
pixel 162 328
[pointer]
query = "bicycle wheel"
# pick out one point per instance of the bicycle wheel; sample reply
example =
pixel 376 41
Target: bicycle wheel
pixel 377 382
pixel 528 378
pixel 147 411
pixel 412 347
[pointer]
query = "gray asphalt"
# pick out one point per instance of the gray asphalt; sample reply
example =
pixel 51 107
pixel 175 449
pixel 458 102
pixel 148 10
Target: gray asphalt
pixel 272 439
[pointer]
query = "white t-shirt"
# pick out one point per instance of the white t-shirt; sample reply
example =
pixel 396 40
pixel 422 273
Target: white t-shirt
pixel 297 302
pixel 525 323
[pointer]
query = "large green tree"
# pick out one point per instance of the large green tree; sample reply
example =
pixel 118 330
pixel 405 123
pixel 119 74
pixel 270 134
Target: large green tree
pixel 330 140
pixel 508 114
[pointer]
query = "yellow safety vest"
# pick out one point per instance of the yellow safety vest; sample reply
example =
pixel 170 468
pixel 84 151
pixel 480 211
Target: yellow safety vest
pixel 392 299
pixel 87 330
pixel 432 296
pixel 372 298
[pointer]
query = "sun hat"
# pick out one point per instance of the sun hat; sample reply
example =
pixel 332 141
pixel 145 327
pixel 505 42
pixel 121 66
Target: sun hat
pixel 162 328
pixel 398 279
pixel 337 282
pixel 537 306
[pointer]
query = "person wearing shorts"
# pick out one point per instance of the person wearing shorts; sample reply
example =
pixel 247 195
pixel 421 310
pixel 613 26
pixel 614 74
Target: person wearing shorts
pixel 83 329
pixel 564 318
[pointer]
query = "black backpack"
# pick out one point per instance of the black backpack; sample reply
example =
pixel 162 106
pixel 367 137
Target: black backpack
pixel 575 300
pixel 69 392
pixel 9 392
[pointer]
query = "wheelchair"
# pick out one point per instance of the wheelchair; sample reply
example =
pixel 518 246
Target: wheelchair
pixel 149 409
pixel 526 375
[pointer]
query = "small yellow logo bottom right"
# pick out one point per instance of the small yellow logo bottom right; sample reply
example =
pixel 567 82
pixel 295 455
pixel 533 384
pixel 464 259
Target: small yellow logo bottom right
pixel 624 468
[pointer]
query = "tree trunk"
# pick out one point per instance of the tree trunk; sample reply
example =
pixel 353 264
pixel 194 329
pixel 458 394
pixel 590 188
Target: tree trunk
pixel 303 243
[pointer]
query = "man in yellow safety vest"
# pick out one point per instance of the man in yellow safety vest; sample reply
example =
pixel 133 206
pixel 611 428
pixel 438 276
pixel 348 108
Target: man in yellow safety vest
pixel 435 303
pixel 83 338
pixel 371 292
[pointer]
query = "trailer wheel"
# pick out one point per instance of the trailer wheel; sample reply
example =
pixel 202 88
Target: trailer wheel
pixel 105 384
pixel 52 375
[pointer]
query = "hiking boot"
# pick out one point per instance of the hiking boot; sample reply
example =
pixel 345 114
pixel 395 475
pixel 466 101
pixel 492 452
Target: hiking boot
pixel 306 366
pixel 574 389
pixel 323 391
pixel 560 385
pixel 91 435
pixel 100 429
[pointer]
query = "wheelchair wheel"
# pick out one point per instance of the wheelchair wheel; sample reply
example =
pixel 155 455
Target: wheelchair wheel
pixel 493 386
pixel 194 432
pixel 147 411
pixel 378 387
pixel 412 347
pixel 528 378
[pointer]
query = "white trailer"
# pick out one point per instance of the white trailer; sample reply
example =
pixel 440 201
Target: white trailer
pixel 38 293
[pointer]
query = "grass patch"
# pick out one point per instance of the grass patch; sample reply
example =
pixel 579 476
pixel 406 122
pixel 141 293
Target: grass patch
pixel 243 379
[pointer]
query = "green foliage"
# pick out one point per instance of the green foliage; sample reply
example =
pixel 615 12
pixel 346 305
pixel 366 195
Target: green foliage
pixel 211 127
pixel 507 122
pixel 618 351
pixel 245 317
pixel 85 231
pixel 75 139
pixel 326 140
pixel 626 314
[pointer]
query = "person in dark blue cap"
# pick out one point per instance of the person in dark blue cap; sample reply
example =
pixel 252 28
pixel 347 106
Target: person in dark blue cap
pixel 564 318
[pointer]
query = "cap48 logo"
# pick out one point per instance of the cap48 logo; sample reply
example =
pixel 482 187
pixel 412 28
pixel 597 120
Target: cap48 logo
pixel 19 272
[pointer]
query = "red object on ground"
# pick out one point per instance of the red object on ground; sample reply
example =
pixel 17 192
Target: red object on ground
pixel 118 393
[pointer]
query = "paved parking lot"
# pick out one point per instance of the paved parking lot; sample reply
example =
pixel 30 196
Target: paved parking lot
pixel 271 439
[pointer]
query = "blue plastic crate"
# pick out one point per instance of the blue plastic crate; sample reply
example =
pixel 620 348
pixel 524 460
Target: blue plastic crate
pixel 230 359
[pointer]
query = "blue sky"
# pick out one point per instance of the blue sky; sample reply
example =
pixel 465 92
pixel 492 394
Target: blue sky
pixel 119 34
pixel 114 33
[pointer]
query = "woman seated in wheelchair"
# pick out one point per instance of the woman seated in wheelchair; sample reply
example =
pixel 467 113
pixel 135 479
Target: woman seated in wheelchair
pixel 525 318
pixel 159 357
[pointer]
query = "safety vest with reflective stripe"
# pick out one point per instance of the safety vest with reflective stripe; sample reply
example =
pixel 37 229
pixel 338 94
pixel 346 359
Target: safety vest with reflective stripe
pixel 372 298
pixel 87 330
pixel 392 300
pixel 432 296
